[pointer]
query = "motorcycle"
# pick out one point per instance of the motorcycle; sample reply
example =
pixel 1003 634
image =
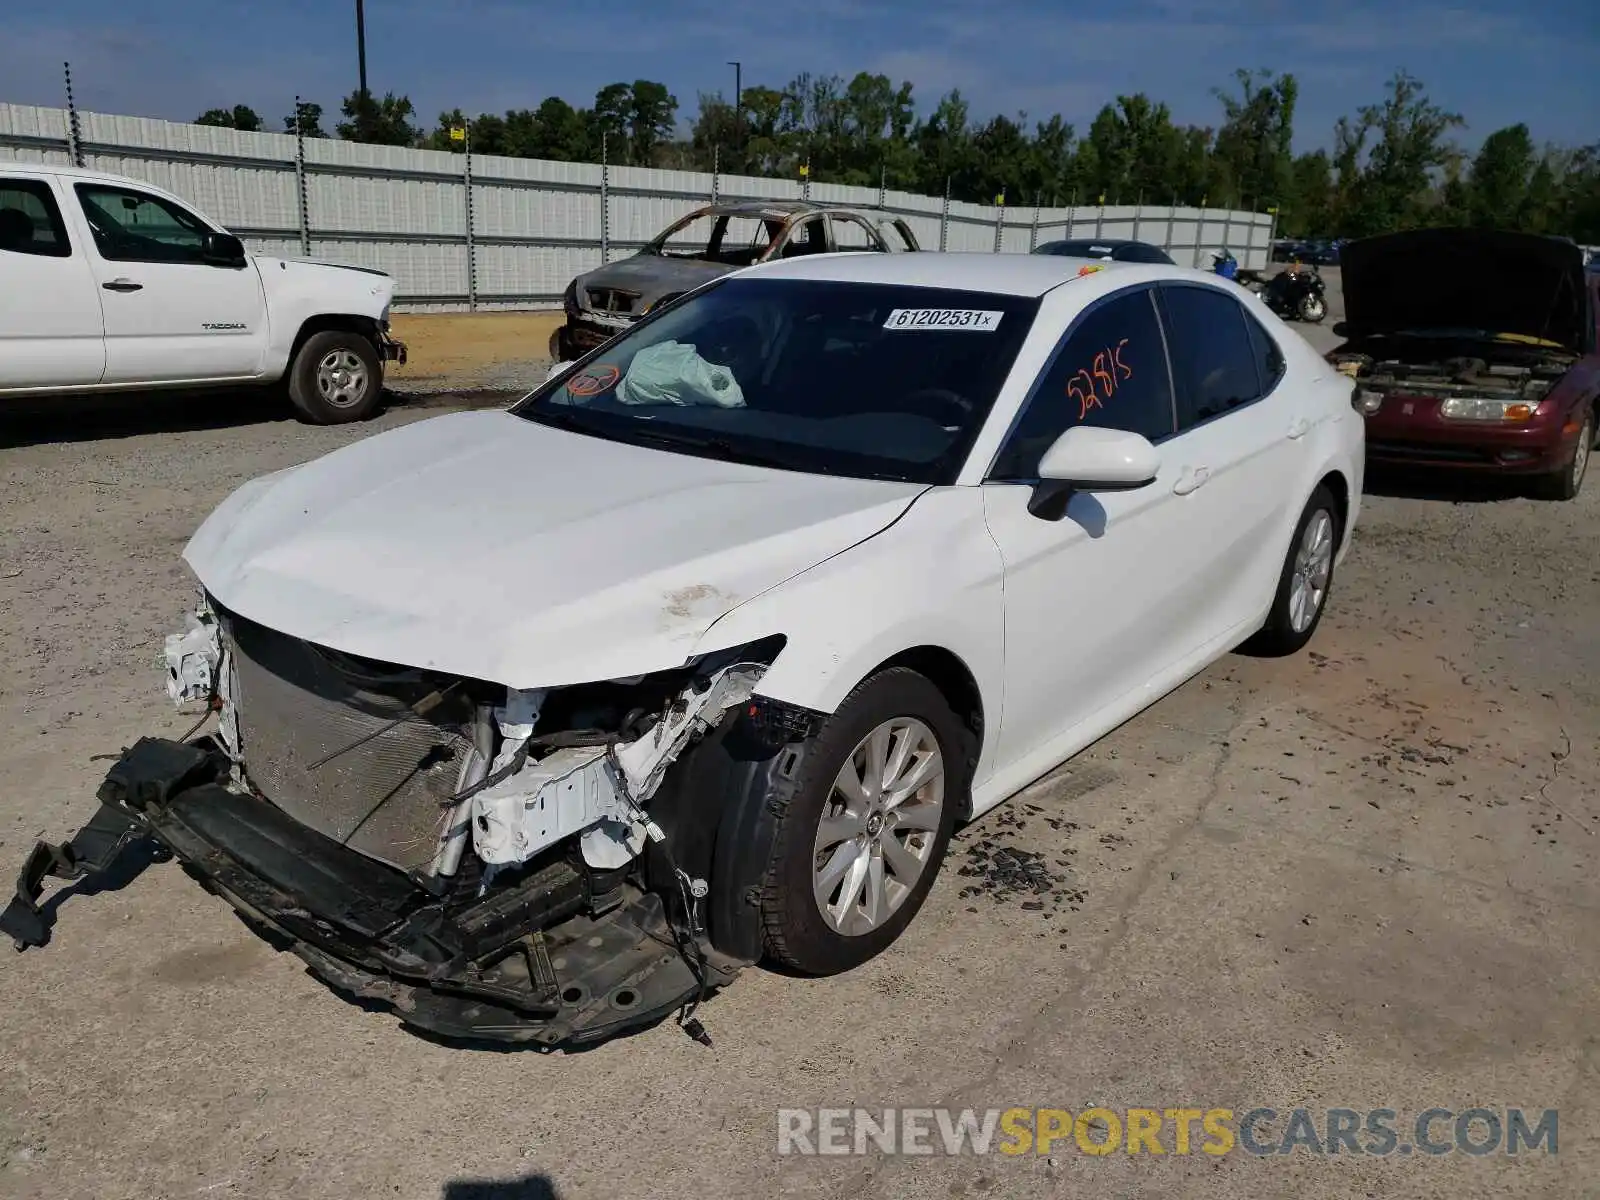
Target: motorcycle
pixel 1297 293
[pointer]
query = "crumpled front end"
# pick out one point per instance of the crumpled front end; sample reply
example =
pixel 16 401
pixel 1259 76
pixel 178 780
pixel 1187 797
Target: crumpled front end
pixel 487 862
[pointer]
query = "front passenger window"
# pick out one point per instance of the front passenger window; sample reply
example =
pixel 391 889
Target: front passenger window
pixel 1110 372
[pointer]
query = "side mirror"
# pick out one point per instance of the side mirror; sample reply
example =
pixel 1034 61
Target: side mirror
pixel 223 250
pixel 1088 459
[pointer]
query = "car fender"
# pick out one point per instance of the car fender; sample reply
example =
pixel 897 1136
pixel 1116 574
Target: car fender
pixel 300 291
pixel 933 578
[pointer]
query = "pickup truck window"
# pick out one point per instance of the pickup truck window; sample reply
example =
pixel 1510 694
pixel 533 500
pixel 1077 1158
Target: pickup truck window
pixel 132 226
pixel 30 220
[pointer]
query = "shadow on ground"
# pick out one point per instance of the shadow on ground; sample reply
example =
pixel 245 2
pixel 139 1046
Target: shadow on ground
pixel 529 1187
pixel 1454 487
pixel 81 418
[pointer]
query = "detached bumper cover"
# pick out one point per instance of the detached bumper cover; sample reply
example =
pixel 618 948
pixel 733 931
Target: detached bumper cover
pixel 526 964
pixel 392 348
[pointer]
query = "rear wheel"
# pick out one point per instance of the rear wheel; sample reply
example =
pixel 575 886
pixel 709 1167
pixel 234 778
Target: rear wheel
pixel 1568 481
pixel 867 828
pixel 336 377
pixel 1312 308
pixel 1306 579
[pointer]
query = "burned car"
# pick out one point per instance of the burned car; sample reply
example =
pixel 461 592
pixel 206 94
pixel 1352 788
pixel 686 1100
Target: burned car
pixel 710 242
pixel 1474 349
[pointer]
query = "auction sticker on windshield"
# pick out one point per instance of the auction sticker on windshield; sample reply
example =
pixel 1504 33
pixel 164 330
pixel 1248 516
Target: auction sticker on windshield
pixel 976 319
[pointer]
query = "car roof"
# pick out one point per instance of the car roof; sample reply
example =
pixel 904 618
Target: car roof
pixel 1094 241
pixel 46 168
pixel 1002 274
pixel 761 208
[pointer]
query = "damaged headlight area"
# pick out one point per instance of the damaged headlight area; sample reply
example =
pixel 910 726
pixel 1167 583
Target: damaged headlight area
pixel 548 866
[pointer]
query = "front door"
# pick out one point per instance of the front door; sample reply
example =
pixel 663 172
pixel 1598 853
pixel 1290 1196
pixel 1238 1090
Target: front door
pixel 1091 610
pixel 51 333
pixel 169 314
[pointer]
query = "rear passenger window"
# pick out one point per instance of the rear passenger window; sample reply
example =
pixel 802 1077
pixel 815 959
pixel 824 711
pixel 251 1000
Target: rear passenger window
pixel 1110 372
pixel 1269 359
pixel 852 233
pixel 30 220
pixel 1213 359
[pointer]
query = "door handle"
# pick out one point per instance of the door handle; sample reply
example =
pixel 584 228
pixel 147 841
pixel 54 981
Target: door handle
pixel 1190 480
pixel 1299 428
pixel 122 285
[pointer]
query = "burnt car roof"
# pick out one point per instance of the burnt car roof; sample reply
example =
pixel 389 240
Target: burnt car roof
pixel 757 208
pixel 1489 279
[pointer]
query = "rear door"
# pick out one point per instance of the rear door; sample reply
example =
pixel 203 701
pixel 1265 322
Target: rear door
pixel 51 331
pixel 1240 452
pixel 169 314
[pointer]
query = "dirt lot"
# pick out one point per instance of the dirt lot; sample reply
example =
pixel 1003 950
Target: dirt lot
pixel 480 351
pixel 1364 877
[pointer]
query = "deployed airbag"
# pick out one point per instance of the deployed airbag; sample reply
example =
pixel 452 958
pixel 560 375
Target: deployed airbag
pixel 674 373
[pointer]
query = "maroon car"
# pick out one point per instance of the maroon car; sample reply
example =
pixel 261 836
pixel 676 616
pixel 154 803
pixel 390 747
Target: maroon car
pixel 1474 349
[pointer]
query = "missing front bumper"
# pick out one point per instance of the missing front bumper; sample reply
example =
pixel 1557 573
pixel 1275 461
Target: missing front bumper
pixel 392 349
pixel 541 961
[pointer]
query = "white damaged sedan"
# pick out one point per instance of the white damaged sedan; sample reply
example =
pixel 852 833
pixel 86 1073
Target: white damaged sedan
pixel 537 725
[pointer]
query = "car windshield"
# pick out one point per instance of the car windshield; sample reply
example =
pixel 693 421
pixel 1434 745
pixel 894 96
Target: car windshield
pixel 879 381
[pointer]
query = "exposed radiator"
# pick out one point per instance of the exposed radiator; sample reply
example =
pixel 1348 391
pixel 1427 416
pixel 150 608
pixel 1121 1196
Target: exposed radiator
pixel 298 703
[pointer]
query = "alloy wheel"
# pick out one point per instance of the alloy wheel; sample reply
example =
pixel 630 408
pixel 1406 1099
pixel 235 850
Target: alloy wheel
pixel 1313 564
pixel 879 826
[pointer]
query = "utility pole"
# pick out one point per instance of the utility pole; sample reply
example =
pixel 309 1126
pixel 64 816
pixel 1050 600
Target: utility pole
pixel 738 106
pixel 361 44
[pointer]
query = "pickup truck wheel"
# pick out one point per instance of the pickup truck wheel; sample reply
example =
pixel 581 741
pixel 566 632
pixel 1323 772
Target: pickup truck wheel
pixel 865 830
pixel 336 377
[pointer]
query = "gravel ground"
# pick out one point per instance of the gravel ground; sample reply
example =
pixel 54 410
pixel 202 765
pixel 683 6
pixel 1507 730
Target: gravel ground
pixel 1363 877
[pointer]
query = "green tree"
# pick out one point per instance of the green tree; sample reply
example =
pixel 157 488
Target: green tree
pixel 1308 208
pixel 1253 147
pixel 652 119
pixel 385 122
pixel 310 118
pixel 1497 196
pixel 240 116
pixel 1392 190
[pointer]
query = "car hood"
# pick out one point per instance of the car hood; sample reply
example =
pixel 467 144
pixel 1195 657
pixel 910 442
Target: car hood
pixel 1517 283
pixel 337 266
pixel 653 276
pixel 485 545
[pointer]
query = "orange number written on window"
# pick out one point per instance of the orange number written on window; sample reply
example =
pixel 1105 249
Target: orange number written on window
pixel 1093 385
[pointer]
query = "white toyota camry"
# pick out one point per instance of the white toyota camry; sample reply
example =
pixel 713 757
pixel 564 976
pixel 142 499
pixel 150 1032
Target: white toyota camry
pixel 538 724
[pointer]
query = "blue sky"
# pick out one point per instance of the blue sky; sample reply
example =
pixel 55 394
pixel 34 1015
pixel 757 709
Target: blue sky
pixel 1495 62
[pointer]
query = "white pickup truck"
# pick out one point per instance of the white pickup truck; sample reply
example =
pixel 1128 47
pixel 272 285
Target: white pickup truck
pixel 110 284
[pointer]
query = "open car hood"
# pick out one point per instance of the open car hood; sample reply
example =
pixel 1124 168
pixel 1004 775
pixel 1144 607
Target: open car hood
pixel 1516 283
pixel 486 545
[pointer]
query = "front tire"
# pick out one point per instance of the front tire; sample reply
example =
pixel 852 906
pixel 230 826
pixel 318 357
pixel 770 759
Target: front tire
pixel 1313 308
pixel 1566 483
pixel 866 829
pixel 336 377
pixel 1305 581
